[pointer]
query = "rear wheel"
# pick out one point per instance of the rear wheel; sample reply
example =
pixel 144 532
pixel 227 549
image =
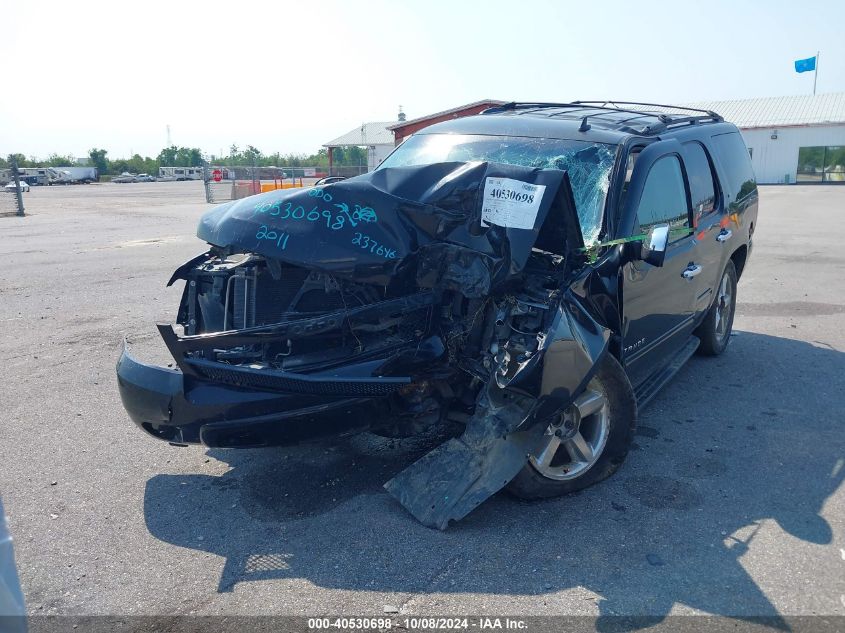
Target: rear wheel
pixel 587 442
pixel 715 330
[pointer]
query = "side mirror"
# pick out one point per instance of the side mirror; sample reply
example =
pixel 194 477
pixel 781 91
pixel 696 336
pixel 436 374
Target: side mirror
pixel 654 245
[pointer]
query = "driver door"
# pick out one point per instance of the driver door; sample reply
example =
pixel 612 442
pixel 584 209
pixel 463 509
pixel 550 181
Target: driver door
pixel 658 301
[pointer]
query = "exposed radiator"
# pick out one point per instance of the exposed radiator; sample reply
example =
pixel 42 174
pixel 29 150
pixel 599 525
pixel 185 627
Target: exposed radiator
pixel 258 299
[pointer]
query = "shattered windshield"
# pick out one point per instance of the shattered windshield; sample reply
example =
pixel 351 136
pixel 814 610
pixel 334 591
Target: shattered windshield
pixel 587 163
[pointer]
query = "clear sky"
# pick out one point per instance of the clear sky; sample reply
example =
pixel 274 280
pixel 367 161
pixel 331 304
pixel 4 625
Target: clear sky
pixel 289 76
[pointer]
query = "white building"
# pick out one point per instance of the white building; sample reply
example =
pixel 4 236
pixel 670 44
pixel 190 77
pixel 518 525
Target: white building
pixel 791 139
pixel 374 136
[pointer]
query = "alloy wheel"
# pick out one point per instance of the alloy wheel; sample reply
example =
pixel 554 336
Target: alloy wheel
pixel 724 301
pixel 576 438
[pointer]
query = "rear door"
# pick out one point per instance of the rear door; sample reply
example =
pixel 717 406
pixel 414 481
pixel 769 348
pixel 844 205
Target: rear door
pixel 707 222
pixel 658 301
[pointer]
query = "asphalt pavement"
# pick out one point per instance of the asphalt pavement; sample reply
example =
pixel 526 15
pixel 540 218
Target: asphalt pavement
pixel 731 501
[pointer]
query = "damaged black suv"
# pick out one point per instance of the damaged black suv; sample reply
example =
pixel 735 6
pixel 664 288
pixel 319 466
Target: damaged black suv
pixel 534 274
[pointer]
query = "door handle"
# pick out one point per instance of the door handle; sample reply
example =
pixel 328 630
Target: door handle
pixel 691 271
pixel 724 235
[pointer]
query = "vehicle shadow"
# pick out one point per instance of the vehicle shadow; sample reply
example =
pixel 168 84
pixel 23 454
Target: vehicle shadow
pixel 738 449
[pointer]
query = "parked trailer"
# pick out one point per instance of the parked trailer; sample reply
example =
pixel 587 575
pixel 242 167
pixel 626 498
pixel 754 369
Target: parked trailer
pixel 75 175
pixel 180 173
pixel 6 177
pixel 39 175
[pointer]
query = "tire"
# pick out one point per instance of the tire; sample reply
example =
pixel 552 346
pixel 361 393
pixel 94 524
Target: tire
pixel 619 415
pixel 715 329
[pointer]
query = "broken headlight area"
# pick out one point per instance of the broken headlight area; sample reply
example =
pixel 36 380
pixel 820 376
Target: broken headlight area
pixel 455 319
pixel 246 310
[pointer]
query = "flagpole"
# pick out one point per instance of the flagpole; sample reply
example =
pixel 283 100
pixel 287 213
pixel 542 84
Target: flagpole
pixel 816 73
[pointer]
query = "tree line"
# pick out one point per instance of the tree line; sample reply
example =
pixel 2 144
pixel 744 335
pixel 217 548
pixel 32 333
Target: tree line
pixel 174 156
pixel 346 156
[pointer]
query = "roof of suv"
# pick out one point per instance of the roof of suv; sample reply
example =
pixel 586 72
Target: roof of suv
pixel 597 121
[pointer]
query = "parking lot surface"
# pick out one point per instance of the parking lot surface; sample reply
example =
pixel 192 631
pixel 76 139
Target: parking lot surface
pixel 730 503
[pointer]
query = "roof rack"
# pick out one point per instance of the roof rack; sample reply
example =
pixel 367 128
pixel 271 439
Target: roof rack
pixel 664 119
pixel 709 113
pixel 519 105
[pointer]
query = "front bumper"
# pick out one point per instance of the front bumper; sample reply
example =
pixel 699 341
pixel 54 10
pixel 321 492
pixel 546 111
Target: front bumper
pixel 182 409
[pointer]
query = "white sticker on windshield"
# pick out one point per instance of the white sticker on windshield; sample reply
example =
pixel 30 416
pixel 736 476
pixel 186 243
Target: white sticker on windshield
pixel 511 203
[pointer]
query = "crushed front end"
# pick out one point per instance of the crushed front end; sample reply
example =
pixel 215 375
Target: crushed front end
pixel 383 303
pixel 268 353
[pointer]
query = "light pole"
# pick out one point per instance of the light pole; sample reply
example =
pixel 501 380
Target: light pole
pixel 18 191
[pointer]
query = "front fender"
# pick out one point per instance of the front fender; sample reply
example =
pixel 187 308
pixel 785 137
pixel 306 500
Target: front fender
pixel 574 345
pixel 447 483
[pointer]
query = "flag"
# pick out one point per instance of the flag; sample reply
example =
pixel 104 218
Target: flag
pixel 804 65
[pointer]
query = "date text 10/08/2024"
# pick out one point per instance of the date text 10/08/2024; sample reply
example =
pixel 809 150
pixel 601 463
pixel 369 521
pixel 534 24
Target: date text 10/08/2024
pixel 418 623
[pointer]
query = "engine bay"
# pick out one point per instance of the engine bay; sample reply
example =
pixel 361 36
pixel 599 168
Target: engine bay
pixel 292 319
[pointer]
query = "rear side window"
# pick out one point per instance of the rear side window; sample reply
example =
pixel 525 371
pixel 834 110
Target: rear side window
pixel 733 155
pixel 664 199
pixel 701 181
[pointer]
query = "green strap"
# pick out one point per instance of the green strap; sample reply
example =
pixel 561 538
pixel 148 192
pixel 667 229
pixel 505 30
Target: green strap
pixel 593 251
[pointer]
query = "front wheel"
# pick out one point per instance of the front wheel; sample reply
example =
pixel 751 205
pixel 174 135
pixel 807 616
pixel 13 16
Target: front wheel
pixel 715 330
pixel 587 442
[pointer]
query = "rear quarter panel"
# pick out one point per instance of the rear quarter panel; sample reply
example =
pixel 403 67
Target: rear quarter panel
pixel 739 190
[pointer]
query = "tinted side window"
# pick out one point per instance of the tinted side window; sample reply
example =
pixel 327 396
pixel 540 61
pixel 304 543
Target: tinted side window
pixel 664 199
pixel 733 155
pixel 701 182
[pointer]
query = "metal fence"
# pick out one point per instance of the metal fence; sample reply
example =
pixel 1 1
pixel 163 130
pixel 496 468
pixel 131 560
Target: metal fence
pixel 233 182
pixel 225 182
pixel 11 197
pixel 347 171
